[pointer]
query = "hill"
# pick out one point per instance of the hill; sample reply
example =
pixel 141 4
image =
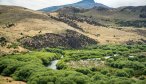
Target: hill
pixel 105 23
pixel 84 4
pixel 122 16
pixel 22 29
pixel 17 23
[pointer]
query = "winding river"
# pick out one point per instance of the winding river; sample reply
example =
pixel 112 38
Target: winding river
pixel 54 62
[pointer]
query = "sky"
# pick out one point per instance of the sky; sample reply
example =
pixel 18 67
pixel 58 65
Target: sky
pixel 39 4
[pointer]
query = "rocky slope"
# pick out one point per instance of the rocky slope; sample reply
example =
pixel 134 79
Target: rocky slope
pixel 70 39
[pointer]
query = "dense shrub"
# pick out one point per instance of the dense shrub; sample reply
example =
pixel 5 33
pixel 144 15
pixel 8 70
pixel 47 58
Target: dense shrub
pixel 54 50
pixel 121 80
pixel 59 77
pixel 122 73
pixel 61 65
pixel 141 82
pixel 99 76
pixel 12 67
pixel 4 63
pixel 126 65
pixel 84 70
pixel 23 73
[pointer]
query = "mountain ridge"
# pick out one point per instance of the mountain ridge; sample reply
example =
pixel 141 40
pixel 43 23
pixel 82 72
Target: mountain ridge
pixel 84 4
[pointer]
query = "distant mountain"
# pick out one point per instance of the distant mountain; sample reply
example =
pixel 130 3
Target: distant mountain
pixel 84 4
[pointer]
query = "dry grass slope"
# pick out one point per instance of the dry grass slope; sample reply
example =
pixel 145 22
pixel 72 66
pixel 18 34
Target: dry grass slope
pixel 18 22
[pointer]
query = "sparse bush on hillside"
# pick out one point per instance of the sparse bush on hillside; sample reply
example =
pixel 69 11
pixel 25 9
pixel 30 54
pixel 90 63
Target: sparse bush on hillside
pixel 137 23
pixel 13 45
pixel 80 18
pixel 142 15
pixel 3 41
pixel 8 25
pixel 68 21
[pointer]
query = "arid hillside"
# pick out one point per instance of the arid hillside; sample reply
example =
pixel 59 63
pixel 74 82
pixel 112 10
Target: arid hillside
pixel 17 23
pixel 100 32
pixel 22 29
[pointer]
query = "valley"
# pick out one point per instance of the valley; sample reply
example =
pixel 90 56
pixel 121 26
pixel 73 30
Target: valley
pixel 80 43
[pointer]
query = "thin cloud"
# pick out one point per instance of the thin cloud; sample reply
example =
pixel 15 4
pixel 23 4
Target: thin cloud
pixel 36 4
pixel 118 3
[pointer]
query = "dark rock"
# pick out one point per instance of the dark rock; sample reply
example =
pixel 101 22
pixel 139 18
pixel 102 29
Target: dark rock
pixel 71 39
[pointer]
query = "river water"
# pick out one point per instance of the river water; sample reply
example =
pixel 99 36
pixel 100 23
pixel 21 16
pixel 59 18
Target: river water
pixel 54 62
pixel 53 65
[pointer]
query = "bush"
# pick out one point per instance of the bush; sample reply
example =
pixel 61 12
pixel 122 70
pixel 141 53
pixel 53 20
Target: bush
pixel 54 50
pixel 129 71
pixel 99 76
pixel 58 77
pixel 4 63
pixel 141 82
pixel 21 66
pixel 11 68
pixel 84 70
pixel 61 65
pixel 3 41
pixel 23 73
pixel 121 73
pixel 121 80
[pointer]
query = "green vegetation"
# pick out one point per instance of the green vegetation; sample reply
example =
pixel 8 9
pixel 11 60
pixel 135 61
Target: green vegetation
pixel 13 45
pixel 100 64
pixel 136 23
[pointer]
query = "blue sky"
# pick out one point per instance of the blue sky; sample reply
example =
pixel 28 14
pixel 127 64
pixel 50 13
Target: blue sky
pixel 38 4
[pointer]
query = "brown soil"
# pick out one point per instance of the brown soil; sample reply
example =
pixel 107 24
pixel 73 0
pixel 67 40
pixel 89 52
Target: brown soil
pixel 9 80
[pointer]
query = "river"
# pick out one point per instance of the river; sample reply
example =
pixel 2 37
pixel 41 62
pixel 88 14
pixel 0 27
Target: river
pixel 54 62
pixel 53 65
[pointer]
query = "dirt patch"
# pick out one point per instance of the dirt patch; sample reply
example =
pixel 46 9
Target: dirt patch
pixel 9 80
